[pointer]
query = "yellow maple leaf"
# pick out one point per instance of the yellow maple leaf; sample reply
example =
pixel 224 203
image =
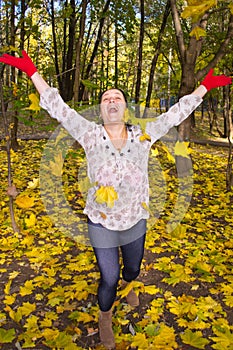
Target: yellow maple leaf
pixel 34 106
pixel 9 299
pixel 30 221
pixel 57 165
pixel 25 202
pixel 231 8
pixel 198 32
pixel 106 195
pixel 140 341
pixel 27 288
pixel 197 9
pixel 181 149
pixel 33 184
pixel 145 137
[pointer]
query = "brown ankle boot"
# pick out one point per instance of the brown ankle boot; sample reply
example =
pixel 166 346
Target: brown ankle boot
pixel 105 329
pixel 131 298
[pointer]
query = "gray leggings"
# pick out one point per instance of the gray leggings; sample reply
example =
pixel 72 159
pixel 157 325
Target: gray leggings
pixel 109 267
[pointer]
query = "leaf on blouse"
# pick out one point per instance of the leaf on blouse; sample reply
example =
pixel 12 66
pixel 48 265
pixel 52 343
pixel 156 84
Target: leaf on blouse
pixel 107 195
pixel 144 137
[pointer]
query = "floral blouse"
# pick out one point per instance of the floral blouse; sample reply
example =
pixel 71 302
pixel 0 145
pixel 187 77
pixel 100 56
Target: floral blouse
pixel 125 171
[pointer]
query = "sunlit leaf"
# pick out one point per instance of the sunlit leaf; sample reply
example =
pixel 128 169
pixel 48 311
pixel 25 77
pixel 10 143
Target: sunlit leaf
pixel 194 339
pixel 25 201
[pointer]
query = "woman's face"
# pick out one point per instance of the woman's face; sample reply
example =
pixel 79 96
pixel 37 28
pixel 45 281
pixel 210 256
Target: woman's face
pixel 112 106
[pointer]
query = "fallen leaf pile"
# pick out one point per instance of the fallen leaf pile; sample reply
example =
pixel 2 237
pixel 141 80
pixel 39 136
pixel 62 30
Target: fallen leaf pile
pixel 49 280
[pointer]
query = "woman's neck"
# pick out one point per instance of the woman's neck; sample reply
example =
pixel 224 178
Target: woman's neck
pixel 115 130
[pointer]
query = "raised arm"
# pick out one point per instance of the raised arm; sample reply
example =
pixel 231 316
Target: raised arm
pixel 210 82
pixel 26 65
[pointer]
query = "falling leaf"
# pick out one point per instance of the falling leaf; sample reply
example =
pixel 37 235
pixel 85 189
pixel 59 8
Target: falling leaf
pixel 25 201
pixel 34 106
pixel 198 32
pixel 181 149
pixel 106 195
pixel 144 137
pixel 30 221
pixel 33 184
pixel 196 10
pixel 56 166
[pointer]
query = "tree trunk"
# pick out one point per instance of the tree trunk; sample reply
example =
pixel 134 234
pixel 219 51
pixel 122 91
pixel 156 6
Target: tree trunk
pixel 95 49
pixel 156 55
pixel 140 48
pixel 79 50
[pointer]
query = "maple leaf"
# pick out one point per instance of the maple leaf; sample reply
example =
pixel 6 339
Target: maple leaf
pixel 196 10
pixel 107 195
pixel 34 106
pixel 56 166
pixel 33 184
pixel 7 336
pixel 194 339
pixel 25 202
pixel 181 149
pixel 140 341
pixel 198 32
pixel 30 221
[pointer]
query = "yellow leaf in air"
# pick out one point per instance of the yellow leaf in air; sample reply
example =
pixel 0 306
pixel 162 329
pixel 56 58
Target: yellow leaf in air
pixel 15 88
pixel 33 184
pixel 57 165
pixel 34 106
pixel 144 137
pixel 106 195
pixel 198 32
pixel 181 149
pixel 30 221
pixel 231 8
pixel 25 202
pixel 197 9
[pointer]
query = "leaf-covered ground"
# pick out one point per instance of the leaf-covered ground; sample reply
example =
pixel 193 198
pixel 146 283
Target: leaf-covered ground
pixel 49 282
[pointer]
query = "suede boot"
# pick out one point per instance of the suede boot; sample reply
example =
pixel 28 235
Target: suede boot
pixel 132 298
pixel 105 329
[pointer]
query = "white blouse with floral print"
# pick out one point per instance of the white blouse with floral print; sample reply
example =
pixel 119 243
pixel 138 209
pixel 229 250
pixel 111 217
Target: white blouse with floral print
pixel 126 170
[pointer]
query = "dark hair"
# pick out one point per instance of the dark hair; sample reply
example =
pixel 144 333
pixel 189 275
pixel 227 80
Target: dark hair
pixel 122 91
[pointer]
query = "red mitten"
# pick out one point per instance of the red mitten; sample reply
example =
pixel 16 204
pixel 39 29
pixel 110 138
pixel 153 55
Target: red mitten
pixel 24 63
pixel 211 81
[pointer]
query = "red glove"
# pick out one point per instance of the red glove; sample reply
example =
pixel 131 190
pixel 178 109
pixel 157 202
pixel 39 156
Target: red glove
pixel 211 81
pixel 24 63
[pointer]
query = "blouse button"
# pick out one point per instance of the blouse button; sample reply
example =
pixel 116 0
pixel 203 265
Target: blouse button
pixel 121 154
pixel 131 140
pixel 107 147
pixel 104 137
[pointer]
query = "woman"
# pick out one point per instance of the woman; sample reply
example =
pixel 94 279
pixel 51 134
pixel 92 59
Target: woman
pixel 117 157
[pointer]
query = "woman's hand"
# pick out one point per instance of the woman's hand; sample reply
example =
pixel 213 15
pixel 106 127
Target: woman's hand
pixel 213 81
pixel 23 63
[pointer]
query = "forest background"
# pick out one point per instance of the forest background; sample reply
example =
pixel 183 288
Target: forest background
pixel 156 52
